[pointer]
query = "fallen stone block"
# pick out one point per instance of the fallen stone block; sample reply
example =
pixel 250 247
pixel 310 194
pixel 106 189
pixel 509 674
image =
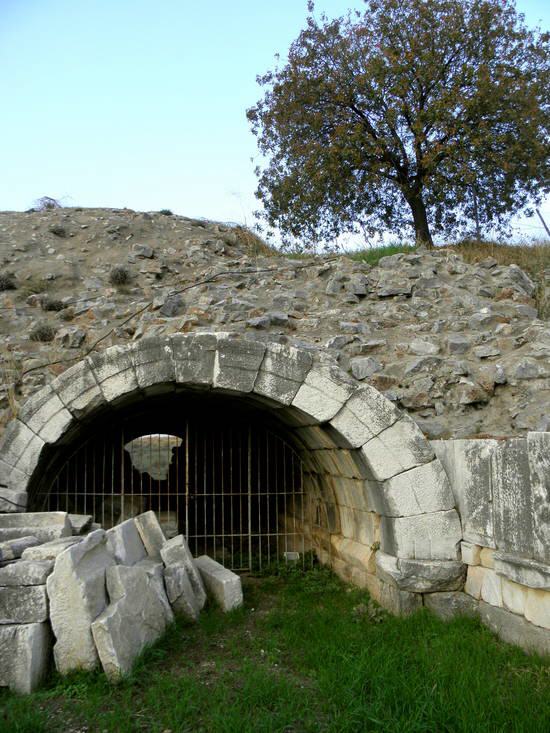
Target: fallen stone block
pixel 180 592
pixel 222 584
pixel 50 550
pixel 155 573
pixel 23 604
pixel 37 519
pixel 42 534
pixel 522 570
pixel 26 572
pixel 134 619
pixel 176 552
pixel 13 549
pixel 80 522
pixel 151 533
pixel 77 594
pixel 124 542
pixel 24 656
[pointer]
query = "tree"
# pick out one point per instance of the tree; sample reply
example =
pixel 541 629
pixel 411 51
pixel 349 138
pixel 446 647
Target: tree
pixel 415 111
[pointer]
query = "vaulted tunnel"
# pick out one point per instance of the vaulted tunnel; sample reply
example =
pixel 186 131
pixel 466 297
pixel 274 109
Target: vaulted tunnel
pixel 364 490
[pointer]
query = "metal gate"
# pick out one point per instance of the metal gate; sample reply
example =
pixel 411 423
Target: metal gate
pixel 234 491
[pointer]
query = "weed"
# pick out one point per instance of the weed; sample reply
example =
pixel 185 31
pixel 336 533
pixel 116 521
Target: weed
pixel 166 212
pixel 52 304
pixel 7 281
pixel 119 275
pixel 42 332
pixel 252 242
pixel 58 231
pixel 46 203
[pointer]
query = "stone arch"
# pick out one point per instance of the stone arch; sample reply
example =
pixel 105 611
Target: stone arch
pixel 395 526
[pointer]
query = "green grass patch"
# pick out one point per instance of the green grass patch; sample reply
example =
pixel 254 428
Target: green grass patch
pixel 306 654
pixel 373 255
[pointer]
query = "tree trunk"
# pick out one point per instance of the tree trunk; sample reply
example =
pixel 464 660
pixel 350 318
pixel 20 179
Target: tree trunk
pixel 421 226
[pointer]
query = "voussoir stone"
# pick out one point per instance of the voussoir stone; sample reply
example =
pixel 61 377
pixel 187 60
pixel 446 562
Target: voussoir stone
pixel 77 594
pixel 421 576
pixel 175 552
pixel 151 533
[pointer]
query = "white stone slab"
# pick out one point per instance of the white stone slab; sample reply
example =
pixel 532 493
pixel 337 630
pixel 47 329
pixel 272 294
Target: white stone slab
pixel 24 656
pixel 12 549
pixel 23 604
pixel 176 552
pixel 26 572
pixel 50 550
pixel 134 619
pixel 124 543
pixel 77 594
pixel 180 592
pixel 151 533
pixel 222 584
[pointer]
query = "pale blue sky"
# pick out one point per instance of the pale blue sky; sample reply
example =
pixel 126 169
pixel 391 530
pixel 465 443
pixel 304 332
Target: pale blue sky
pixel 142 104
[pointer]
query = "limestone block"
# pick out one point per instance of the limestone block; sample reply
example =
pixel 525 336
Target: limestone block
pixel 176 552
pixel 474 581
pixel 470 553
pixel 515 629
pixel 354 553
pixel 26 572
pixel 80 523
pixel 78 390
pixel 422 537
pixel 151 533
pixel 237 363
pixel 323 393
pixel 12 500
pixel 373 409
pixel 24 656
pixel 420 576
pixel 114 371
pixel 50 550
pixel 396 601
pixel 194 357
pixel 538 449
pixel 468 465
pixel 223 585
pixel 24 604
pixel 155 575
pixel 77 594
pixel 42 534
pixel 512 499
pixel 180 592
pixel 491 588
pixel 396 449
pixel 351 428
pixel 487 557
pixel 20 447
pixel 522 570
pixel 13 549
pixel 419 490
pixel 124 543
pixel 514 596
pixel 134 619
pixel 153 362
pixel 45 415
pixel 537 607
pixel 450 605
pixel 38 520
pixel 282 372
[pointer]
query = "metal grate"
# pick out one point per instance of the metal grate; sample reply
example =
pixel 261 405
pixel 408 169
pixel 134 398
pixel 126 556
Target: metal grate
pixel 235 491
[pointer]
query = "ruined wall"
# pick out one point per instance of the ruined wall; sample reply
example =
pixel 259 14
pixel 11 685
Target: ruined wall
pixel 502 489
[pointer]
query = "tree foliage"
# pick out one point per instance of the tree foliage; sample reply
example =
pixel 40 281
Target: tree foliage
pixel 412 112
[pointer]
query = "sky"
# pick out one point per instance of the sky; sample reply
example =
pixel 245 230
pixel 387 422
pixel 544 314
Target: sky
pixel 141 104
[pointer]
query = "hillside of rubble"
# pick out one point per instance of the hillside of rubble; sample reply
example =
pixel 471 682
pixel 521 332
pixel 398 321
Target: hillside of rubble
pixel 459 346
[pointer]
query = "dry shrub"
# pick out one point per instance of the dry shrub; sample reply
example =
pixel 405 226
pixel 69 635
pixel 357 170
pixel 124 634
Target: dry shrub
pixel 252 241
pixel 52 304
pixel 7 281
pixel 119 275
pixel 42 332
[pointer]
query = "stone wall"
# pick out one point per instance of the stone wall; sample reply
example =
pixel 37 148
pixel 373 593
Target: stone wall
pixel 502 490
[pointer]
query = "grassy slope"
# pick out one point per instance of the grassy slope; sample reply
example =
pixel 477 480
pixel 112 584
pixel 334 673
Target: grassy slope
pixel 305 654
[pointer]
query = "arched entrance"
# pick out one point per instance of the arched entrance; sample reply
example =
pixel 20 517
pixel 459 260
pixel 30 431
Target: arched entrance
pixel 371 479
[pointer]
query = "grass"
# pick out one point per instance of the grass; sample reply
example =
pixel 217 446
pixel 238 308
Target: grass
pixel 304 655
